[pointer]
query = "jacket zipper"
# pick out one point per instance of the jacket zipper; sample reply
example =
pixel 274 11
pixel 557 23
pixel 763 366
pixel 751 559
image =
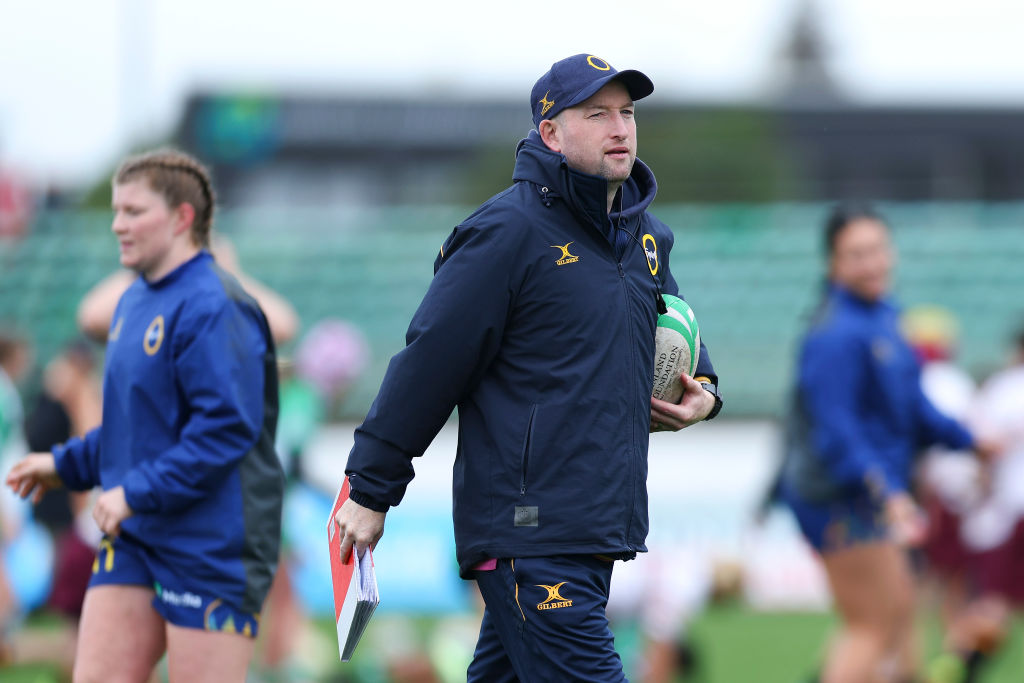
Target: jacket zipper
pixel 632 440
pixel 527 441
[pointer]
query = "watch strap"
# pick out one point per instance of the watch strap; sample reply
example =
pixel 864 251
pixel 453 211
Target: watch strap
pixel 713 390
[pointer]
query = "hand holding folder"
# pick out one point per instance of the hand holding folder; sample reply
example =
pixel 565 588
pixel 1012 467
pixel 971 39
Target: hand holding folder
pixel 355 585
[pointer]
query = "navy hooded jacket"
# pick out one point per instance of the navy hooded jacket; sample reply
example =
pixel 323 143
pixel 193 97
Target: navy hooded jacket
pixel 543 337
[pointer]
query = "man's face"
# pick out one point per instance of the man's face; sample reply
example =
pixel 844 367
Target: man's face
pixel 598 136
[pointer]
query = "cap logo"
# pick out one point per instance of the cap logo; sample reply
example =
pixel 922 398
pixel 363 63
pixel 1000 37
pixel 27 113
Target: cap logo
pixel 545 103
pixel 598 63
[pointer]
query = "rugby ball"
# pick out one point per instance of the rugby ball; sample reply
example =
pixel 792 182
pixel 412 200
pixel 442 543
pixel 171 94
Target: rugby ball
pixel 676 349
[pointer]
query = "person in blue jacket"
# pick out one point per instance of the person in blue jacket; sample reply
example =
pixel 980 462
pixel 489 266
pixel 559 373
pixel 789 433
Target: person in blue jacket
pixel 192 488
pixel 539 326
pixel 859 418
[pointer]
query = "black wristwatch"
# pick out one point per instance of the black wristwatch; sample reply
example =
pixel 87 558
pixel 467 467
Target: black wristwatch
pixel 713 390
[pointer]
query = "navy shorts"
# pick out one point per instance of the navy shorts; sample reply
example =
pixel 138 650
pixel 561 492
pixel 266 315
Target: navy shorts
pixel 840 523
pixel 545 620
pixel 179 600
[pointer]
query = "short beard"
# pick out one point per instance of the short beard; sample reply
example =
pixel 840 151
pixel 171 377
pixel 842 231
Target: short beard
pixel 606 173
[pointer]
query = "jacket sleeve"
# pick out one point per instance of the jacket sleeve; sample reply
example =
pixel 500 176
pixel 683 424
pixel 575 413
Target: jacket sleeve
pixel 935 427
pixel 832 382
pixel 219 359
pixel 705 369
pixel 78 459
pixel 451 341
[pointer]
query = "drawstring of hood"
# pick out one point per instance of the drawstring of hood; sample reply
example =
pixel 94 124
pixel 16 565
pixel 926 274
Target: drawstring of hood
pixel 546 195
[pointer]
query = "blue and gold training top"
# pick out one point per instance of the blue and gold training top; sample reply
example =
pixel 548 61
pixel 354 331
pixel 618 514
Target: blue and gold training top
pixel 190 404
pixel 860 415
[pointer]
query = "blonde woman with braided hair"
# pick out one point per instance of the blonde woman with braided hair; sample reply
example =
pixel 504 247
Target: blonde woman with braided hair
pixel 192 488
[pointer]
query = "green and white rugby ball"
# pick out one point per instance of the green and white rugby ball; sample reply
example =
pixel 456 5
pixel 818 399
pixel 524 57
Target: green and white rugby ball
pixel 676 349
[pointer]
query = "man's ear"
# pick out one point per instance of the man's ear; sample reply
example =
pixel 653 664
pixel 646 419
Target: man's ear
pixel 549 133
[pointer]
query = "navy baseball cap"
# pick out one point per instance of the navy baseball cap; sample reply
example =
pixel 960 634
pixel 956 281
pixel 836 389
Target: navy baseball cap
pixel 575 79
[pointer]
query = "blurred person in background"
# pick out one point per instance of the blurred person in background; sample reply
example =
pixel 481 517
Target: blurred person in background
pixel 96 310
pixel 16 205
pixel 949 485
pixel 992 530
pixel 329 360
pixel 859 416
pixel 539 326
pixel 656 600
pixel 70 404
pixel 26 551
pixel 192 488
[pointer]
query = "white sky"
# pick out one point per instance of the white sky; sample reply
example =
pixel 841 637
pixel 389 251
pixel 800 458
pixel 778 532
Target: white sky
pixel 82 81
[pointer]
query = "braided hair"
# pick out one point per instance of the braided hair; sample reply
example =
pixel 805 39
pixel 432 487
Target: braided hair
pixel 179 179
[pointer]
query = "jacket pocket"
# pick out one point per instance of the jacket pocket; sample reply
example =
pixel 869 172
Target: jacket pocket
pixel 524 462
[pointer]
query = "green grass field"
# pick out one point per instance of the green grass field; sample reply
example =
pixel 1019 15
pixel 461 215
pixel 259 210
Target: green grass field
pixel 734 645
pixel 738 646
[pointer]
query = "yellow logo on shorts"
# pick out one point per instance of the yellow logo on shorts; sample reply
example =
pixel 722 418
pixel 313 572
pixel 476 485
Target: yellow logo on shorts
pixel 554 599
pixel 154 336
pixel 108 562
pixel 219 616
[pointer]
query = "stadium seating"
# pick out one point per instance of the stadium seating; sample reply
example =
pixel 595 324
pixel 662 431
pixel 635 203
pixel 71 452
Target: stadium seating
pixel 751 272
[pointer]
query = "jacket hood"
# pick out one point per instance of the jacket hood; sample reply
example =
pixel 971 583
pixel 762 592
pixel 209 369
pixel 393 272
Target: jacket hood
pixel 585 193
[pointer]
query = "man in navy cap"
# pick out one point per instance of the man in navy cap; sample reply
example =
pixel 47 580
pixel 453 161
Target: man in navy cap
pixel 539 327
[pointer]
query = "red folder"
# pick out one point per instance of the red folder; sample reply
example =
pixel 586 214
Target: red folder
pixel 355 585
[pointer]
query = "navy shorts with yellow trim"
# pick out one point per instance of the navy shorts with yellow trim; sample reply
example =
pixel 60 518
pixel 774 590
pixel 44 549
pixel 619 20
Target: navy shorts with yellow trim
pixel 840 523
pixel 545 620
pixel 179 600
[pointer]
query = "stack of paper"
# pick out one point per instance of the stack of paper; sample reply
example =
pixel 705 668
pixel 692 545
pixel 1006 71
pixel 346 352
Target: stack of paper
pixel 355 586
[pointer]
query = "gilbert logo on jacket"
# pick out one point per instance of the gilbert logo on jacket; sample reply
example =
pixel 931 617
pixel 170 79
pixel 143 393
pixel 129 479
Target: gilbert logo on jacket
pixel 566 257
pixel 554 599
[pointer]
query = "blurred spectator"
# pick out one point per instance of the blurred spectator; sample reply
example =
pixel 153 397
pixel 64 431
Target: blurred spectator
pixel 15 206
pixel 25 546
pixel 330 358
pixel 948 481
pixel 70 404
pixel 950 486
pixel 659 595
pixel 993 528
pixel 96 310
